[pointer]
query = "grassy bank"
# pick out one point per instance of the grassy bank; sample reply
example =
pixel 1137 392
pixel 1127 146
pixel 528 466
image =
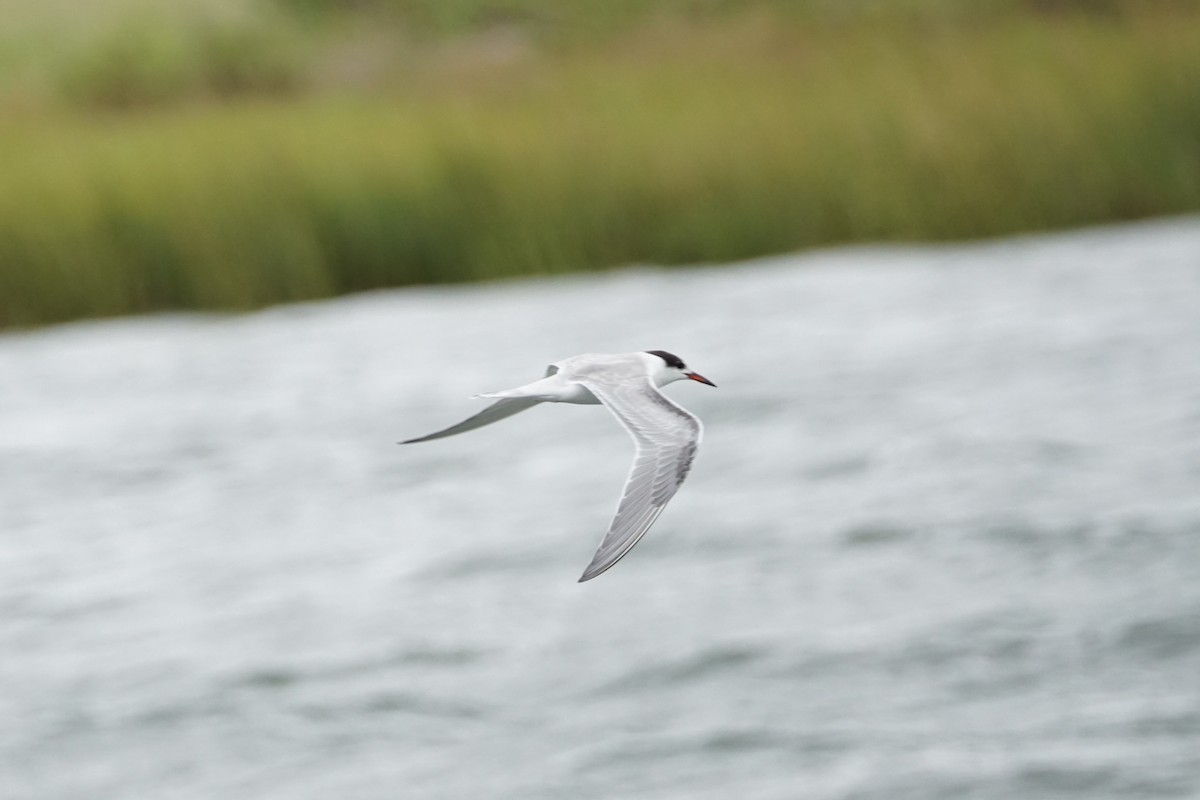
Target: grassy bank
pixel 681 138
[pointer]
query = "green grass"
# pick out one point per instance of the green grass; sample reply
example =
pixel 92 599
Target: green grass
pixel 678 138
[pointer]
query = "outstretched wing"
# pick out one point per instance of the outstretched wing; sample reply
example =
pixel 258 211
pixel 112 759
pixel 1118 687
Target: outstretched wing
pixel 666 437
pixel 493 413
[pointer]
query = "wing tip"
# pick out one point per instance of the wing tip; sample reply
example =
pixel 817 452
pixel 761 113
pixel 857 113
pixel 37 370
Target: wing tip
pixel 589 573
pixel 597 567
pixel 600 566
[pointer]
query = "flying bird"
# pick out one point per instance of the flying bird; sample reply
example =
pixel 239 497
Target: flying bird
pixel 665 435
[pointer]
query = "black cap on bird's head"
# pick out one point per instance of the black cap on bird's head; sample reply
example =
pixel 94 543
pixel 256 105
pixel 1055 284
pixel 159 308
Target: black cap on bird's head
pixel 671 359
pixel 675 362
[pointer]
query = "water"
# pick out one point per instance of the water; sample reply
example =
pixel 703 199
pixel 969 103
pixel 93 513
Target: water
pixel 942 540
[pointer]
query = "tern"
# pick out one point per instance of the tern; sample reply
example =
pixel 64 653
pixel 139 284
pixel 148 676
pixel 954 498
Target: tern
pixel 665 435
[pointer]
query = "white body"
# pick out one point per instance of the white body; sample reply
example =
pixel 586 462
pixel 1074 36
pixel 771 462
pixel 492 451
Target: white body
pixel 565 380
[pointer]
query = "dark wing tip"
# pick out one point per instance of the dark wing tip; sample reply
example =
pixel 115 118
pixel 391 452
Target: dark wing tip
pixel 598 567
pixel 588 574
pixel 427 437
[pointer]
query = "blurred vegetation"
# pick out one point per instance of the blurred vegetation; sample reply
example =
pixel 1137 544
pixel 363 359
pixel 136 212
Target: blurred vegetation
pixel 229 154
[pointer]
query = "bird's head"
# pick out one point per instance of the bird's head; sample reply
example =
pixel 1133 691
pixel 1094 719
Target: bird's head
pixel 670 368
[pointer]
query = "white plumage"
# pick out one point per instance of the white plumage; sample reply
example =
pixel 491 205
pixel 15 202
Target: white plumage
pixel 665 435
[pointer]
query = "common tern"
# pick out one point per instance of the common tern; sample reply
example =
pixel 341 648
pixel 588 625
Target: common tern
pixel 665 435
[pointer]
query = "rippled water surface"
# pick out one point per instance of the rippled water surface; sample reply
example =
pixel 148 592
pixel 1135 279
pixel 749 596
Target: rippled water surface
pixel 942 540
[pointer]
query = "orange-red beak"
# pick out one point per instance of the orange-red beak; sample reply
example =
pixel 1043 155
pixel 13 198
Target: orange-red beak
pixel 698 377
